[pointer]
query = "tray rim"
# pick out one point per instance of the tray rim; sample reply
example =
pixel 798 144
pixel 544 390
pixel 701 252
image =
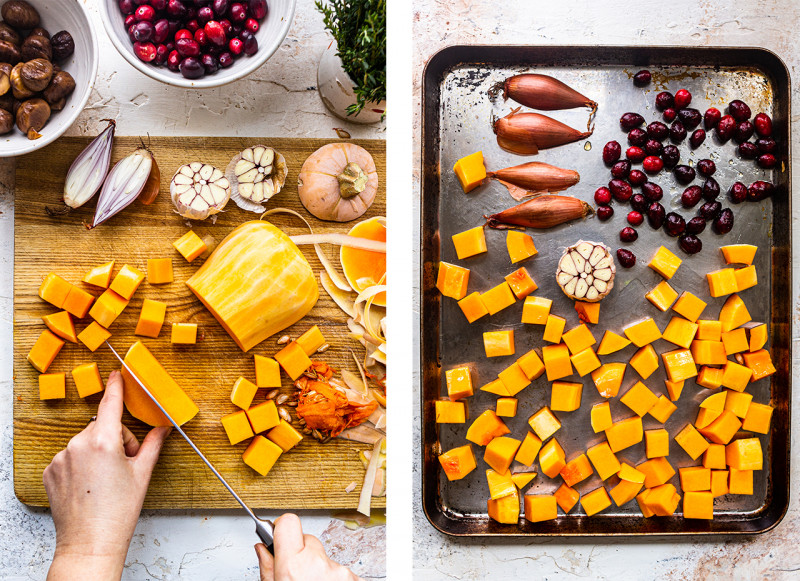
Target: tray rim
pixel 430 505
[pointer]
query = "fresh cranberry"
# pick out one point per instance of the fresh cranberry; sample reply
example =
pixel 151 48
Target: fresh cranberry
pixel 205 14
pixel 696 225
pixel 621 190
pixel 652 164
pixel 238 12
pixel 739 110
pixel 674 225
pixel 635 218
pixel 711 118
pixel 130 20
pixel 145 51
pixel 682 98
pixel 126 6
pixel 677 131
pixel 236 46
pixel 744 131
pixel 221 7
pixel 767 161
pixel 723 223
pixel 691 196
pixel 258 8
pixel 748 150
pixel 652 191
pixel 626 258
pixel 684 174
pixel 657 130
pixel 215 33
pixel 161 30
pixel 250 42
pixel 737 193
pixel 635 154
pixel 671 156
pixel 639 203
pixel 766 145
pixel 192 68
pixel 628 234
pixel 201 37
pixel 665 100
pixel 706 167
pixel 183 34
pixel 621 169
pixel 642 78
pixel 710 210
pixel 162 52
pixel 145 13
pixel 174 27
pixel 252 25
pixel 602 196
pixel 176 8
pixel 697 138
pixel 690 244
pixel 636 177
pixel 630 120
pixel 763 124
pixel 191 13
pixel 187 47
pixel 604 213
pixel 226 26
pixel 653 147
pixel 210 64
pixel 140 2
pixel 760 190
pixel 143 31
pixel 611 152
pixel 159 5
pixel 655 215
pixel 637 136
pixel 710 189
pixel 726 128
pixel 690 117
pixel 225 60
pixel 193 26
pixel 131 31
pixel 174 61
pixel 669 114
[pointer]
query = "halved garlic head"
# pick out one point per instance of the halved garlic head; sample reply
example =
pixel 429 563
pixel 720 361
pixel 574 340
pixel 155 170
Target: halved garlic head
pixel 586 271
pixel 199 190
pixel 256 174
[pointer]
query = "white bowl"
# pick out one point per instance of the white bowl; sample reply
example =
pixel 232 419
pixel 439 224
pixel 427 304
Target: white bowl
pixel 274 28
pixel 72 16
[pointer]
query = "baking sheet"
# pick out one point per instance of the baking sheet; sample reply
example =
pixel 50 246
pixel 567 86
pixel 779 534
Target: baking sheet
pixel 457 121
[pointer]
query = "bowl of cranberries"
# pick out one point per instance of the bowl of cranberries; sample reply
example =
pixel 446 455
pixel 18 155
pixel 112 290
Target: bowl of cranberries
pixel 197 43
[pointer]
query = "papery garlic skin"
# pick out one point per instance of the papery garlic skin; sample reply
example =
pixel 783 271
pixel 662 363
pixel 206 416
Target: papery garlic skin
pixel 586 271
pixel 199 190
pixel 256 175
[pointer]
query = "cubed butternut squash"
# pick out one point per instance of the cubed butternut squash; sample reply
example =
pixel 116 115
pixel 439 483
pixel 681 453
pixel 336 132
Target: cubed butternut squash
pixel 745 278
pixel 61 325
pixel 268 371
pixel 557 363
pixel 576 470
pixel 656 443
pixel 185 334
pixel 54 290
pixel 739 253
pixel 311 340
pixel 458 462
pixel 689 306
pixel 285 436
pixel 261 455
pixel 470 242
pixel 127 281
pixel 151 318
pixel 744 454
pixel 662 296
pixel 692 442
pixel 459 383
pixel 565 396
pixel 237 427
pixel 528 450
pixel 719 483
pixel 531 364
pixel 679 365
pixel 485 428
pixel 733 314
pixel 498 298
pixel 611 343
pixel 625 433
pixel 708 330
pixel 595 501
pixel 698 505
pixel 738 403
pixel 44 351
pixel 190 246
pixel 293 360
pixel 585 361
pixel 578 338
pixel 263 416
pixel 663 409
pixel 553 328
pixel 52 386
pixel 520 246
pixel 757 335
pixel 540 507
pixel 695 478
pixel 625 491
pixel 78 302
pixel 740 481
pixel 536 310
pixel 498 343
pixel 639 399
pixel 100 276
pixel 514 379
pixel 680 331
pixel 674 389
pixel 87 379
pixel 497 387
pixel 500 452
pixel 657 471
pixel 721 282
pixel 608 378
pixel 159 271
pixel 504 510
pixel 243 393
pixel 500 484
pixel 472 306
pixel 665 263
pixel 714 457
pixel 759 363
pixel 552 458
pixel 643 333
pixel 758 418
pixel 566 497
pixel 522 479
pixel 645 361
pixel 93 336
pixel 600 417
pixel 506 407
pixel 521 283
pixel 107 307
pixel 735 376
pixel 452 280
pixel 588 312
pixel 450 412
pixel 708 352
pixel 604 460
pixel 709 377
pixel 544 423
pixel 663 500
pixel 470 171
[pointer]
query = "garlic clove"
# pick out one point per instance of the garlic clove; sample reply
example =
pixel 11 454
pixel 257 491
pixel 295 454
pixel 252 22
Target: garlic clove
pixel 586 271
pixel 256 174
pixel 199 190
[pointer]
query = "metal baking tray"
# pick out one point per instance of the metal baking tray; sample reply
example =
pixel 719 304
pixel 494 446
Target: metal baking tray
pixel 457 116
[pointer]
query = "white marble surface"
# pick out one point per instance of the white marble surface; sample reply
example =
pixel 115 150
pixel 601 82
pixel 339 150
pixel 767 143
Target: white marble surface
pixel 280 99
pixel 768 23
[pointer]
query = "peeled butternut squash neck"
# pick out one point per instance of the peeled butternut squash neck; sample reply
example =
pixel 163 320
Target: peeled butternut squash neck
pixel 352 180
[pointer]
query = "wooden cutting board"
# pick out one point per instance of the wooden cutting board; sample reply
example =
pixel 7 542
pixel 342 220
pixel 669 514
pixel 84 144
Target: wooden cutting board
pixel 312 475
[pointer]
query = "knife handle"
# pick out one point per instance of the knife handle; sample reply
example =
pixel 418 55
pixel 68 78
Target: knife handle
pixel 264 530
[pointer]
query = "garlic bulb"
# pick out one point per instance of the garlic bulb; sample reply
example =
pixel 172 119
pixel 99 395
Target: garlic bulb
pixel 256 174
pixel 199 190
pixel 586 271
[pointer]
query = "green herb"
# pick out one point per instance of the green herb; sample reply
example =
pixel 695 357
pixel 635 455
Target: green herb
pixel 359 28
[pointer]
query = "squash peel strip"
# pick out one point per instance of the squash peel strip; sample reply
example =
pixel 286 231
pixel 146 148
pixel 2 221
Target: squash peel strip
pixel 365 498
pixel 339 297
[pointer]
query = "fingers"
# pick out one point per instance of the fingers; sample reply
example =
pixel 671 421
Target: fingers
pixel 266 564
pixel 148 453
pixel 313 543
pixel 288 536
pixel 109 412
pixel 129 442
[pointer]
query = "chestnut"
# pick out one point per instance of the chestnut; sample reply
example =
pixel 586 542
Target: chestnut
pixel 63 45
pixel 9 34
pixel 32 116
pixel 60 87
pixel 9 53
pixel 36 74
pixel 17 85
pixel 36 47
pixel 20 14
pixel 6 122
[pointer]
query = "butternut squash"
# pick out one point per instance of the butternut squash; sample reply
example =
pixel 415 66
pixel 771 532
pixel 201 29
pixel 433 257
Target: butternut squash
pixel 363 268
pixel 256 283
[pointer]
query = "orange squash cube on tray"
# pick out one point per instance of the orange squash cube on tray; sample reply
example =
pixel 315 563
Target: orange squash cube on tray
pixel 595 501
pixel 127 281
pixel 552 459
pixel 625 491
pixel 107 307
pixel 237 427
pixel 663 409
pixel 159 271
pixel 625 433
pixel 695 478
pixel 576 470
pixel 708 352
pixel 708 330
pixel 184 333
pixel 61 325
pixel 557 362
pixel 604 460
pixel 264 416
pixel 608 378
pixel 500 484
pixel 553 328
pixel 536 310
pixel 757 335
pixel 293 360
pixel 243 393
pixel 739 253
pixel 500 453
pixel 498 298
pixel 585 361
pixel 100 276
pixel 714 457
pixel 745 278
pixel 87 379
pixel 657 471
pixel 93 336
pixel 44 351
pixel 566 497
pixel 151 319
pixel 656 443
pixel 452 280
pixel 578 338
pixel 689 306
pixel 498 343
pixel 450 412
pixel 698 505
pixel 740 481
pixel 565 396
pixel 521 283
pixel 470 242
pixel 459 383
pixel 662 296
pixel 531 364
pixel 472 306
pixel 588 312
pixel 529 449
pixel 719 483
pixel 540 507
pixel 458 462
pixel 611 343
pixel 665 263
pixel 642 333
pixel 735 376
pixel 506 407
pixel 544 423
pixel 679 364
pixel 721 282
pixel 639 399
pixel 738 403
pixel 52 386
pixel 54 290
pixel 709 377
pixel 261 455
pixel 744 454
pixel 470 171
pixel 758 418
pixel 190 246
pixel 759 363
pixel 520 246
pixel 733 314
pixel 522 479
pixel 285 436
pixel 692 442
pixel 663 500
pixel 645 361
pixel 680 331
pixel 601 417
pixel 514 379
pixel 497 387
pixel 486 427
pixel 504 510
pixel 674 389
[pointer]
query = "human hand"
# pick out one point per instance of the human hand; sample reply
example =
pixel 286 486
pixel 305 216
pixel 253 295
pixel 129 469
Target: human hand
pixel 96 487
pixel 298 557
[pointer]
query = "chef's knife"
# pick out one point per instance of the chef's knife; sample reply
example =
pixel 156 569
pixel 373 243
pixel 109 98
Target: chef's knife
pixel 264 528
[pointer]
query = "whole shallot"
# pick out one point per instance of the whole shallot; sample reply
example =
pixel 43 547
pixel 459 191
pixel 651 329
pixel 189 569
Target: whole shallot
pixel 527 133
pixel 543 92
pixel 534 177
pixel 543 211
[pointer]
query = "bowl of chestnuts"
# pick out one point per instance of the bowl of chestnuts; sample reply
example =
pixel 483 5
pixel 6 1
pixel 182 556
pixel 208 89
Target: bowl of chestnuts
pixel 197 43
pixel 48 65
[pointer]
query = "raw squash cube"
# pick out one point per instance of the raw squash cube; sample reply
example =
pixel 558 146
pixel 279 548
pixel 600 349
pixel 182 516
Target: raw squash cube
pixel 151 319
pixel 740 481
pixel 656 472
pixel 756 335
pixel 522 479
pixel 641 500
pixel 656 443
pixel 237 427
pixel 531 364
pixel 470 242
pixel 470 171
pixel 485 428
pixel 645 361
pixel 506 407
pixel 311 340
pixel 758 418
pixel 698 505
pixel 264 416
pixel 44 351
pixel 604 460
pixel 625 433
pixel 643 332
pixel 504 510
pixel 285 436
pixel 452 280
pixel 631 474
pixel 719 483
pixel 521 283
pixel 736 376
pixel 159 271
pixel 87 379
pixel 679 364
pixel 500 484
pixel 709 352
pixel 243 393
pixel 601 417
pixel 674 389
pixel 689 306
pixel 553 328
pixel 695 478
pixel 498 343
pixel 100 276
pixel 714 457
pixel 715 401
pixel 708 330
pixel 93 336
pixel 78 302
pixel 665 263
pixel 458 462
pixel 733 314
pixel 540 507
pixel 588 312
pixel 705 416
pixel 61 325
pixel 528 450
pixel 520 246
pixel 472 306
pixel 578 339
pixel 536 310
pixel 608 378
pixel 721 282
pixel 576 470
pixel 261 455
pixel 625 491
pixel 565 396
pixel 184 334
pixel 744 454
pixel 735 341
pixel 738 403
pixel 496 387
pixel 514 379
pixel 760 363
pixel 52 386
pixel 552 459
pixel 293 360
pixel 611 343
pixel 556 361
pixel 709 377
pixel 639 399
pixel 745 278
pixel 190 246
pixel 54 290
pixel 663 409
pixel 585 361
pixel 450 412
pixel 595 501
pixel 544 423
pixel 127 281
pixel 500 452
pixel 566 497
pixel 739 253
pixel 268 372
pixel 662 296
pixel 692 442
pixel 498 298
pixel 459 383
pixel 107 307
pixel 663 500
pixel 680 331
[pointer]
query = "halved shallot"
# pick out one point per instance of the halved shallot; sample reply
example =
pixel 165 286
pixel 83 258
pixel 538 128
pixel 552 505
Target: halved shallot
pixel 542 211
pixel 543 92
pixel 534 177
pixel 527 133
pixel 123 185
pixel 89 170
pixel 199 190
